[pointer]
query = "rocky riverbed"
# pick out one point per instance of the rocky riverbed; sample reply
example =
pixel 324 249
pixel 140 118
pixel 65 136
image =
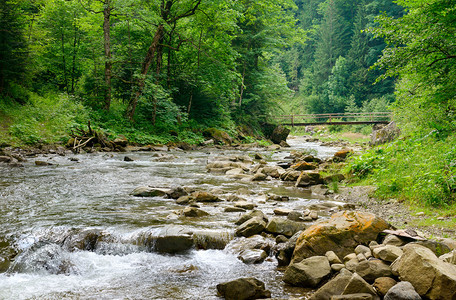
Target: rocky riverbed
pixel 189 223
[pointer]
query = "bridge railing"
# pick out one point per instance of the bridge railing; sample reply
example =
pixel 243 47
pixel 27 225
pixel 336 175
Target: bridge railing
pixel 331 118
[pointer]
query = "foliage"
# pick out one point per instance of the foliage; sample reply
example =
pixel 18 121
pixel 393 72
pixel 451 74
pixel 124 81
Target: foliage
pixel 421 52
pixel 421 169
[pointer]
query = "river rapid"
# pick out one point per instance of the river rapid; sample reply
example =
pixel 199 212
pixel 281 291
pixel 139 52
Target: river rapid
pixel 44 207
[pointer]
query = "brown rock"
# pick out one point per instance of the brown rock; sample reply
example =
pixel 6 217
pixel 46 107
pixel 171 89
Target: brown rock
pixel 383 285
pixel 341 234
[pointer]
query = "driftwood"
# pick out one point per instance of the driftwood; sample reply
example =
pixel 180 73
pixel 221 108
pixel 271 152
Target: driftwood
pixel 90 138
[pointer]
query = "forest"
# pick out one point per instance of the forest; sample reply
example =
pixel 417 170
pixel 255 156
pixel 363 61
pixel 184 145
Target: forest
pixel 158 71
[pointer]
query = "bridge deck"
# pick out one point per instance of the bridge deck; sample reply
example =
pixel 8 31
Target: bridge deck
pixel 334 119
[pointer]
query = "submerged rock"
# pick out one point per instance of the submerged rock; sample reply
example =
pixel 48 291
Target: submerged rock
pixel 146 191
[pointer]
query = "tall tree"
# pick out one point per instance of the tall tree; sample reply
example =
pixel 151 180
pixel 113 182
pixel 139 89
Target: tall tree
pixel 13 45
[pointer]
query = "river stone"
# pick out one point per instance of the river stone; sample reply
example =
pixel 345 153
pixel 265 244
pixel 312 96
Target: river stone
pixel 170 239
pixel 333 287
pixel 85 240
pixel 341 234
pixel 277 225
pixel 42 163
pixel 177 192
pixel 431 277
pixel 273 171
pixel 449 257
pixel 358 285
pixel 308 272
pixel 233 209
pixel 282 211
pixel 184 200
pixel 402 291
pixel 259 177
pixel 366 251
pixel 201 196
pixel 145 191
pixel 295 216
pixel 285 250
pixel 243 289
pixel 194 212
pixel 333 258
pixel 359 296
pixel 342 154
pixel 252 226
pixel 385 134
pixel 6 159
pixel 249 215
pixel 245 205
pixel 290 175
pixel 303 165
pixel 437 247
pixel 383 284
pixel 387 253
pixel 280 133
pixel 352 264
pixel 307 178
pixel 252 256
pixel 393 240
pixel 211 239
pixel 236 246
pixel 373 269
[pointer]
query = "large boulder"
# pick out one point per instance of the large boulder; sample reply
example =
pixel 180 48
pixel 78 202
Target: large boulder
pixel 243 289
pixel 341 233
pixel 385 134
pixel 308 272
pixel 279 134
pixel 431 277
pixel 169 239
pixel 218 136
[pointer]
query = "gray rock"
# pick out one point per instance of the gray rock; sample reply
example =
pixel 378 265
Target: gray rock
pixel 393 240
pixel 352 264
pixel 309 272
pixel 145 191
pixel 259 177
pixel 402 291
pixel 283 226
pixel 358 285
pixel 252 226
pixel 280 133
pixel 333 287
pixel 385 134
pixel 128 158
pixel 364 250
pixel 449 257
pixel 6 159
pixel 249 215
pixel 431 277
pixel 259 242
pixel 245 205
pixel 233 209
pixel 282 211
pixel 387 253
pixel 359 296
pixel 333 258
pixel 170 239
pixel 437 247
pixel 201 196
pixel 285 250
pixel 252 256
pixel 243 289
pixel 373 269
pixel 337 267
pixel 194 212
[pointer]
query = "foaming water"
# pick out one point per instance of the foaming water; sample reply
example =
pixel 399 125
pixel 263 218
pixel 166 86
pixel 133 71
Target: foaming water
pixel 79 234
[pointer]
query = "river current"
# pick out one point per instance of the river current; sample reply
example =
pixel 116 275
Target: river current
pixel 41 206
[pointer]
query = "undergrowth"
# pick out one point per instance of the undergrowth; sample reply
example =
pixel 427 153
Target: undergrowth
pixel 419 169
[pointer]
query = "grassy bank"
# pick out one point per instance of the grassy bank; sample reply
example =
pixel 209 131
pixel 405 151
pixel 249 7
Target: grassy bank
pixel 49 119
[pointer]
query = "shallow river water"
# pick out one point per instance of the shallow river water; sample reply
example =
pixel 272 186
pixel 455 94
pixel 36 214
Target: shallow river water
pixel 41 206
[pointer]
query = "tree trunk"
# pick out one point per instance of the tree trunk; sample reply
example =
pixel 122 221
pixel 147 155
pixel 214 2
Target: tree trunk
pixel 62 38
pixel 107 49
pixel 144 70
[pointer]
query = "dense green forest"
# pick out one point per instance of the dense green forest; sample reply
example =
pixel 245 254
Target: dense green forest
pixel 165 65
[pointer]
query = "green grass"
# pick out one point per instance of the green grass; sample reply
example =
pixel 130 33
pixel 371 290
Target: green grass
pixel 419 170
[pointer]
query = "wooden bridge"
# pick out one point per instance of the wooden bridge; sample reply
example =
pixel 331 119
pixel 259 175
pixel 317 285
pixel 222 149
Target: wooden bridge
pixel 333 119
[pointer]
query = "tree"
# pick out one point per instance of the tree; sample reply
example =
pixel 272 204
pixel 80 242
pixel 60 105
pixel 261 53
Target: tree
pixel 421 52
pixel 13 45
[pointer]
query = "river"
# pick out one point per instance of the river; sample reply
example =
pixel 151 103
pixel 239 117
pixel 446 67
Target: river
pixel 41 206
